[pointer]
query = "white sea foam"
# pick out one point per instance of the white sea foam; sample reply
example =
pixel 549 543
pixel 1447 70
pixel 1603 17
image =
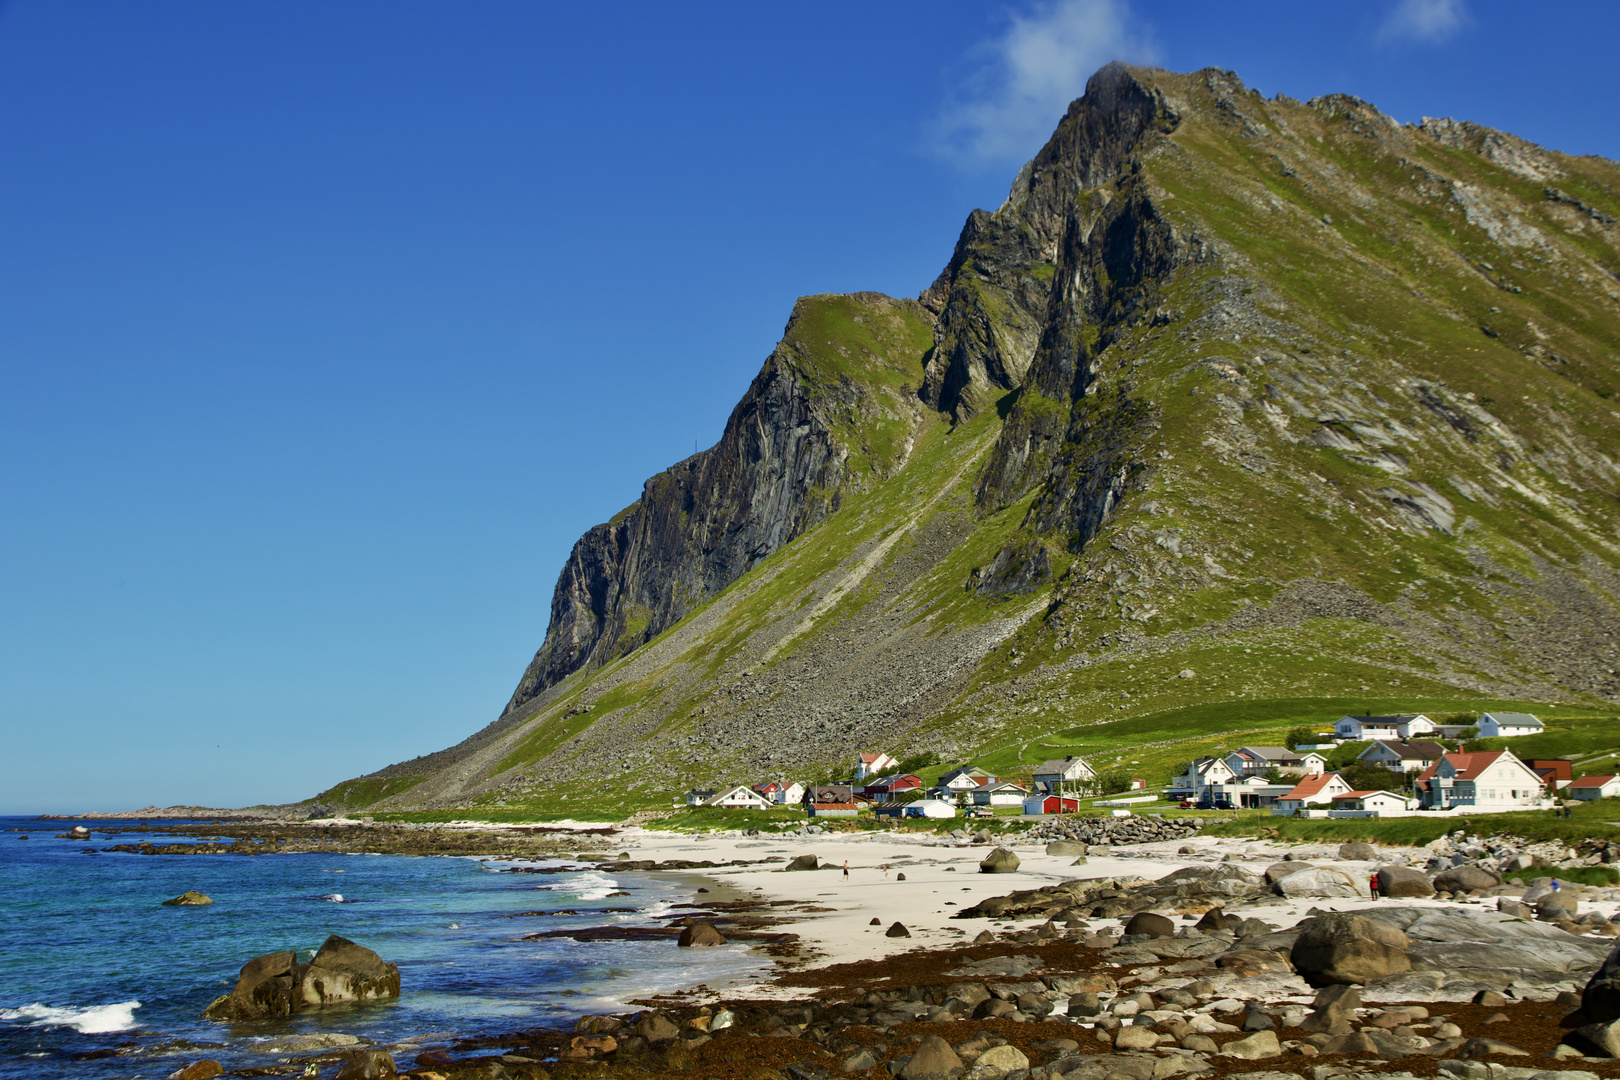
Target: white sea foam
pixel 334 897
pixel 586 886
pixel 95 1020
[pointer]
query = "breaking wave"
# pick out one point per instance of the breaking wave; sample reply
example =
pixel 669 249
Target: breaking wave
pixel 95 1020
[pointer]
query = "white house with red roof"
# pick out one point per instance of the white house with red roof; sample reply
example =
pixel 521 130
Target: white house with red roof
pixel 1594 787
pixel 1318 790
pixel 782 792
pixel 1480 782
pixel 872 764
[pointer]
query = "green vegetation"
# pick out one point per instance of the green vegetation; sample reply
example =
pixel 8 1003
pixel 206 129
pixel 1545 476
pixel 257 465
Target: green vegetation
pixel 358 794
pixel 1600 876
pixel 1588 821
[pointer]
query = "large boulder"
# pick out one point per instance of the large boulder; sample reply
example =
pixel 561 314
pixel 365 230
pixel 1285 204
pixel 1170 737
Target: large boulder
pixel 1262 1044
pixel 701 934
pixel 1357 852
pixel 367 1065
pixel 934 1060
pixel 1000 861
pixel 1153 925
pixel 803 862
pixel 1323 881
pixel 1402 881
pixel 1465 879
pixel 1334 1010
pixel 1600 1000
pixel 1067 847
pixel 266 986
pixel 1343 948
pixel 1277 871
pixel 345 972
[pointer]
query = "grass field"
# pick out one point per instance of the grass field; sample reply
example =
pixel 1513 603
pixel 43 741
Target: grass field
pixel 1594 820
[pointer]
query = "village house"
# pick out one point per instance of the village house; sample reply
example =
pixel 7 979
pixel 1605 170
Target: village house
pixel 1556 773
pixel 782 792
pixel 1251 760
pixel 1063 774
pixel 1318 790
pixel 831 793
pixel 1479 781
pixel 1002 794
pixel 699 796
pixel 1368 804
pixel 1202 774
pixel 738 797
pixel 1050 804
pixel 872 764
pixel 966 778
pixel 1594 787
pixel 1398 726
pixel 1251 792
pixel 895 787
pixel 1507 725
pixel 1402 755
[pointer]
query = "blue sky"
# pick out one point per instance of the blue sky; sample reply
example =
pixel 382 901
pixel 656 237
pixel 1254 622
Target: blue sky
pixel 326 329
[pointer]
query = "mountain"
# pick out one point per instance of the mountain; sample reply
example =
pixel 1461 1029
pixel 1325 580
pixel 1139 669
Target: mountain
pixel 1237 411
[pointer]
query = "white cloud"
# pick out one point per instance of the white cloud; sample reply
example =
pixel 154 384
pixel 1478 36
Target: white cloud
pixel 1033 71
pixel 1422 21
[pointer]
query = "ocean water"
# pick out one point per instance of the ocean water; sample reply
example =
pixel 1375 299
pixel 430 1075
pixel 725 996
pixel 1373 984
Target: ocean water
pixel 91 960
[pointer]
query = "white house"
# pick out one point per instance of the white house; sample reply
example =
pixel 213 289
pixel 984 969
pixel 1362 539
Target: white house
pixel 1505 725
pixel 1318 790
pixel 740 796
pixel 782 792
pixel 699 796
pixel 872 764
pixel 1201 775
pixel 1002 794
pixel 1402 755
pixel 1595 787
pixel 929 808
pixel 1063 773
pixel 1249 760
pixel 1398 726
pixel 1479 781
pixel 1369 803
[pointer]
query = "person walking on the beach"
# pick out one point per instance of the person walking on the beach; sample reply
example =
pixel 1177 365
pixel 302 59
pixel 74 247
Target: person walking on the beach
pixel 846 869
pixel 885 870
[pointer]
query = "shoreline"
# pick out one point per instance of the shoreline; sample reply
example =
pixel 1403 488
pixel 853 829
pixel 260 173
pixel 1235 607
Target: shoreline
pixel 815 928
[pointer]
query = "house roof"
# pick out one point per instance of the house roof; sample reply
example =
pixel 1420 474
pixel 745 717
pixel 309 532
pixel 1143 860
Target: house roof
pixel 1057 765
pixel 1592 781
pixel 1393 718
pixel 1468 764
pixel 1364 794
pixel 1007 785
pixel 1514 719
pixel 1408 749
pixel 1312 785
pixel 1269 753
pixel 869 758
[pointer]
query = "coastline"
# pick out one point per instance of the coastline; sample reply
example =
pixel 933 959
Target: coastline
pixel 817 931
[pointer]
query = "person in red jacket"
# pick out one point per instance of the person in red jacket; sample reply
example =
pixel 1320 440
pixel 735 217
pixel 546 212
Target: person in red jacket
pixel 1372 886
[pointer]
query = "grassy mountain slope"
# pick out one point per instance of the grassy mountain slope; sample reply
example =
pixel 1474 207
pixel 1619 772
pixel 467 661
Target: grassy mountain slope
pixel 1239 413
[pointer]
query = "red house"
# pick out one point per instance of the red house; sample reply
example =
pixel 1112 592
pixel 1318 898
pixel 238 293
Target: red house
pixel 1050 804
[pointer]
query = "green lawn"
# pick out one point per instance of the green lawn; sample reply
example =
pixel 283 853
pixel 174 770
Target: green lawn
pixel 1594 820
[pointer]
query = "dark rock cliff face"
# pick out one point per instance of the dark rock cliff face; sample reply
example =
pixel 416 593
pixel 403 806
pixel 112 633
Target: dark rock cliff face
pixel 778 470
pixel 1012 269
pixel 697 527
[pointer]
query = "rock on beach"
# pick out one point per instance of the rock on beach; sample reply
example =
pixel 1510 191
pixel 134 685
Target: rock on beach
pixel 277 985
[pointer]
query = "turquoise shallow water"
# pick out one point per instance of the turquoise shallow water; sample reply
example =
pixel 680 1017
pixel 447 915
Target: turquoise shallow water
pixel 90 960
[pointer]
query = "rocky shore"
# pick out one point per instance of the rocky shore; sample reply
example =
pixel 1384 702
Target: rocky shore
pixel 1089 957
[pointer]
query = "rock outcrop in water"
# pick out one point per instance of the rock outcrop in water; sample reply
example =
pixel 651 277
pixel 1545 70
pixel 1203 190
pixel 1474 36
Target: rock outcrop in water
pixel 277 984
